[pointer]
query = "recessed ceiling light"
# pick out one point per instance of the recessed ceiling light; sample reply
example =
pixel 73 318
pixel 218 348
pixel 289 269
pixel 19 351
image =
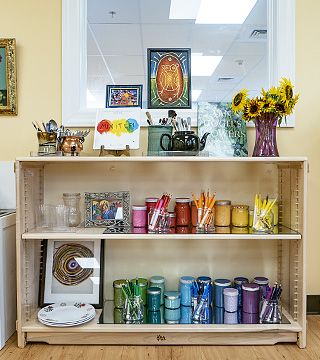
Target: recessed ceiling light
pixel 204 65
pixel 224 11
pixel 196 94
pixel 184 9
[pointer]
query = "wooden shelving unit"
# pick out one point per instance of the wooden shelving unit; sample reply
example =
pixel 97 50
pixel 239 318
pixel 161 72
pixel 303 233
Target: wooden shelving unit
pixel 280 256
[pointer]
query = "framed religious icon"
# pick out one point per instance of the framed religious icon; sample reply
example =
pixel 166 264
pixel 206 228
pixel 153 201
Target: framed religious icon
pixel 72 271
pixel 169 78
pixel 8 81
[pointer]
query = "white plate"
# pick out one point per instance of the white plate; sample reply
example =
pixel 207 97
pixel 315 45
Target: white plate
pixel 66 324
pixel 65 313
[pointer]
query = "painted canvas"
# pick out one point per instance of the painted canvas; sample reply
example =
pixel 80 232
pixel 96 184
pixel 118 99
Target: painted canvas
pixel 117 128
pixel 169 78
pixel 3 77
pixel 123 96
pixel 228 133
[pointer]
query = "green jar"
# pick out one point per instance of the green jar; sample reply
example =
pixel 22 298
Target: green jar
pixel 118 294
pixel 159 282
pixel 143 284
pixel 118 316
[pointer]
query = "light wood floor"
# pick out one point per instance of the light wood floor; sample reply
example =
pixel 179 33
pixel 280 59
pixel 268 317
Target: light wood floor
pixel 95 352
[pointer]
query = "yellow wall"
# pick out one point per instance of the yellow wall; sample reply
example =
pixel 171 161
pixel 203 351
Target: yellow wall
pixel 36 25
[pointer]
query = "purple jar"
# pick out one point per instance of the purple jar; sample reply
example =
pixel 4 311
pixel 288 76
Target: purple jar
pixel 238 282
pixel 263 283
pixel 248 318
pixel 251 298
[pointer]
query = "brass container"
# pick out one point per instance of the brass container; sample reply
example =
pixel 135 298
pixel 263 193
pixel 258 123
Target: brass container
pixel 47 143
pixel 72 145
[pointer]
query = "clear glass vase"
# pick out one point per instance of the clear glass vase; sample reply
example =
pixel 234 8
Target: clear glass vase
pixel 72 202
pixel 266 136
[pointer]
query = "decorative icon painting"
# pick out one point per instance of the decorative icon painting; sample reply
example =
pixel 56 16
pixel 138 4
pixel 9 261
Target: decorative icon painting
pixel 117 128
pixel 123 96
pixel 169 78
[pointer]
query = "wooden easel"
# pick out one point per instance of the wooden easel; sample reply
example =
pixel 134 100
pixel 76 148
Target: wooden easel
pixel 108 152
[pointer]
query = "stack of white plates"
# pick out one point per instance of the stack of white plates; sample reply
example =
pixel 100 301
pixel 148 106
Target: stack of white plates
pixel 66 314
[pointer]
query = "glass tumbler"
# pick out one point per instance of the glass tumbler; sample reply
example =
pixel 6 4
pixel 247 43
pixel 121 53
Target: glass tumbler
pixel 72 202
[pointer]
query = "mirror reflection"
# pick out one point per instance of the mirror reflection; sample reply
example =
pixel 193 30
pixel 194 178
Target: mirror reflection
pixel 228 41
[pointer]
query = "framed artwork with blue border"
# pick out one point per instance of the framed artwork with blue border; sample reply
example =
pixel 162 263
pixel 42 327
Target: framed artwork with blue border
pixel 123 96
pixel 169 78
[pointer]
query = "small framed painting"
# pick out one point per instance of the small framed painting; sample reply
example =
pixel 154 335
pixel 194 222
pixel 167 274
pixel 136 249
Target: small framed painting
pixel 123 96
pixel 8 81
pixel 72 271
pixel 169 78
pixel 110 209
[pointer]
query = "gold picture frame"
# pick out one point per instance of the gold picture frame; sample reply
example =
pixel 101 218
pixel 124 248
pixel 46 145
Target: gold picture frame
pixel 8 79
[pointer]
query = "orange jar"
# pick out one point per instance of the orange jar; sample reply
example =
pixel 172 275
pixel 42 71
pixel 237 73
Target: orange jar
pixel 183 211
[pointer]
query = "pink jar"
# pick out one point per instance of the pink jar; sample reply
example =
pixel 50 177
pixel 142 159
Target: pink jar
pixel 139 216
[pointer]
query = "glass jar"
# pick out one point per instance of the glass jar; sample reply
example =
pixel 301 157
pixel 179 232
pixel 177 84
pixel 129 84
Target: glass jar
pixel 139 216
pixel 240 215
pixel 118 316
pixel 158 282
pixel 185 287
pixel 154 298
pixel 230 318
pixel 172 299
pixel 222 211
pixel 72 202
pixel 194 214
pixel 263 283
pixel 219 286
pixel 143 284
pixel 218 315
pixel 186 315
pixel 118 294
pixel 275 212
pixel 250 318
pixel 151 203
pixel 171 219
pixel 238 282
pixel 239 230
pixel 250 218
pixel 230 299
pixel 251 298
pixel 183 211
pixel 172 314
pixel 154 317
pixel 202 282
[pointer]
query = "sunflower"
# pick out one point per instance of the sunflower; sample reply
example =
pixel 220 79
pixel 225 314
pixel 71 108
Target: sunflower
pixel 286 91
pixel 273 91
pixel 239 100
pixel 268 105
pixel 253 109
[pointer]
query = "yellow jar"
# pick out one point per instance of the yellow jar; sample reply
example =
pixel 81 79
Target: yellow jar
pixel 239 230
pixel 222 211
pixel 240 215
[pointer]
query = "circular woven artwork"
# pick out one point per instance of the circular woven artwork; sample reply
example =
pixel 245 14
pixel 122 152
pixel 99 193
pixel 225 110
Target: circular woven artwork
pixel 65 267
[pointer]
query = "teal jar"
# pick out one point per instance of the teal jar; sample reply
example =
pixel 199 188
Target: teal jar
pixel 143 284
pixel 172 299
pixel 118 294
pixel 159 282
pixel 154 317
pixel 172 314
pixel 154 296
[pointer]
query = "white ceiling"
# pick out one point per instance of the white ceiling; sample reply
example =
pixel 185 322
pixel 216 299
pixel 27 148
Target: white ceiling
pixel 117 47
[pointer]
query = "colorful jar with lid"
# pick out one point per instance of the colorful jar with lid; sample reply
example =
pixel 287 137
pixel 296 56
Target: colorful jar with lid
pixel 238 282
pixel 230 318
pixel 118 294
pixel 251 298
pixel 154 298
pixel 143 284
pixel 218 315
pixel 240 215
pixel 159 282
pixel 172 314
pixel 194 215
pixel 183 211
pixel 186 315
pixel 118 316
pixel 171 219
pixel 230 299
pixel 263 283
pixel 139 216
pixel 172 299
pixel 185 287
pixel 219 285
pixel 222 213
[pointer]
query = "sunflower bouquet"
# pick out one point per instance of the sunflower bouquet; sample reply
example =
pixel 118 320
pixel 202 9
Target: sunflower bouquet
pixel 278 102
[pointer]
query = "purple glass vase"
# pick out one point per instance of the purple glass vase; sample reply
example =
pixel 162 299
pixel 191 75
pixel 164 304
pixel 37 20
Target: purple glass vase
pixel 266 136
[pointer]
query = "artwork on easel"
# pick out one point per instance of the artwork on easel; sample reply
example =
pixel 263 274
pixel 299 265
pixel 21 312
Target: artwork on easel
pixel 116 129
